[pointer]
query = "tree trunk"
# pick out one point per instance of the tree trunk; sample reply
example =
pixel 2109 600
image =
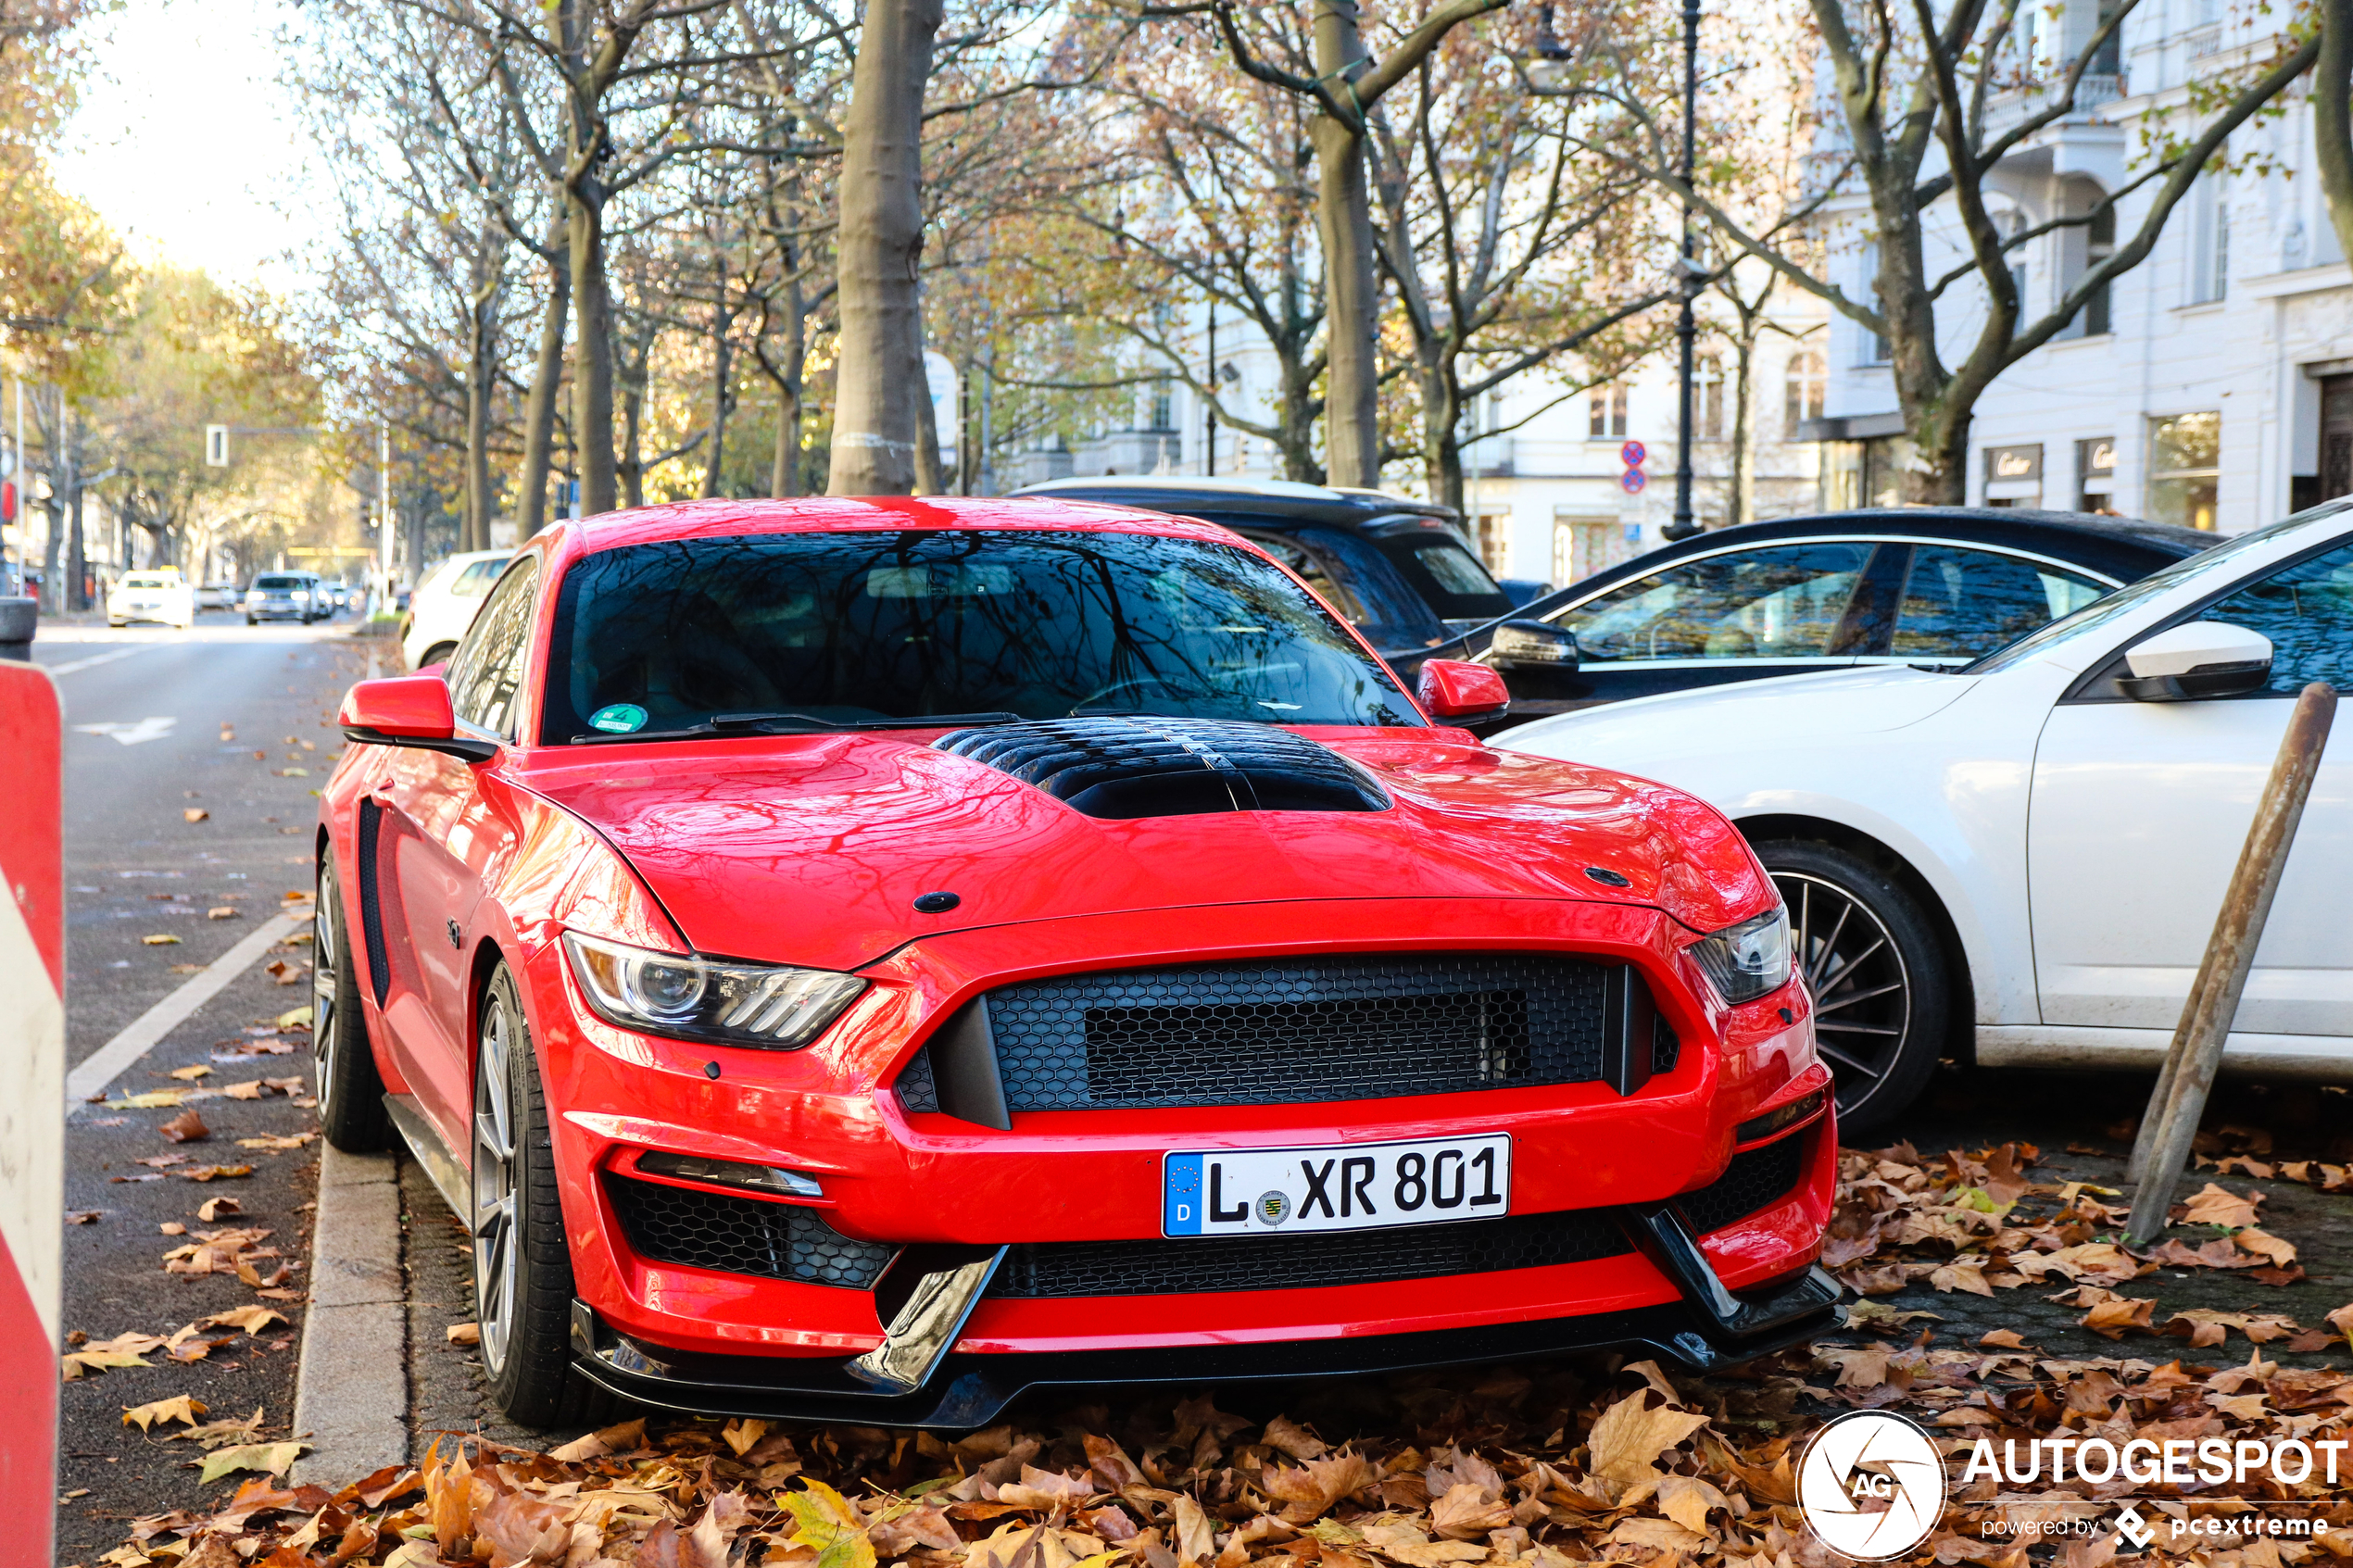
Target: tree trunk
pixel 478 495
pixel 2333 116
pixel 929 481
pixel 632 468
pixel 592 349
pixel 879 242
pixel 51 580
pixel 723 387
pixel 1740 504
pixel 1441 443
pixel 1344 219
pixel 546 373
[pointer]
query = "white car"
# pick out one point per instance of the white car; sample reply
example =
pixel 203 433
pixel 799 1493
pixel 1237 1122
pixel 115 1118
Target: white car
pixel 152 595
pixel 444 605
pixel 2023 860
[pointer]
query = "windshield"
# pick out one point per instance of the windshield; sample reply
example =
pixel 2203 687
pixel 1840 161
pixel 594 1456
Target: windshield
pixel 854 628
pixel 1448 576
pixel 277 582
pixel 2222 558
pixel 146 583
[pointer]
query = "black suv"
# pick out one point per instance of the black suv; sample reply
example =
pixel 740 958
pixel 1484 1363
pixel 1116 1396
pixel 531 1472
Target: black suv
pixel 1399 569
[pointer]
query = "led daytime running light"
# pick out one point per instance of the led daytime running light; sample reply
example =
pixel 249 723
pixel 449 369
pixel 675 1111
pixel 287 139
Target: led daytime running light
pixel 691 998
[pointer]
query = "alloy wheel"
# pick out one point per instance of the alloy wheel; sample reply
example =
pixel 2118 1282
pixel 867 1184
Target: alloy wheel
pixel 1855 974
pixel 493 1222
pixel 326 963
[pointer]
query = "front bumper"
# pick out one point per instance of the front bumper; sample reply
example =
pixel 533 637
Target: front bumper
pixel 968 1391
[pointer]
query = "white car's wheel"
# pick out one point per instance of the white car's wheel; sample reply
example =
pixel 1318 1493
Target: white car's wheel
pixel 1871 962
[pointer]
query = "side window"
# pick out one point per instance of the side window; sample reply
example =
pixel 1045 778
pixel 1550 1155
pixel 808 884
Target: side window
pixel 1794 601
pixel 1962 603
pixel 475 580
pixel 486 670
pixel 1312 571
pixel 2306 611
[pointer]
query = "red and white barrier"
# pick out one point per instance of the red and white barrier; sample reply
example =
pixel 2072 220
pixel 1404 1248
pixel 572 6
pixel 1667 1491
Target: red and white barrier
pixel 33 1050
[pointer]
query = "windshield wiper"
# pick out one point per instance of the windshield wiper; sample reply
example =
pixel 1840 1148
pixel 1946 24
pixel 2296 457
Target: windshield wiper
pixel 760 723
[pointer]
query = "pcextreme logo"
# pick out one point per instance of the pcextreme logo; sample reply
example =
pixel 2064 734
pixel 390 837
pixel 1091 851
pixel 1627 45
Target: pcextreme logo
pixel 1871 1485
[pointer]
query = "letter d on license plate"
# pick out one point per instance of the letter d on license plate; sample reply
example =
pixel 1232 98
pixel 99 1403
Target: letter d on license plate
pixel 1357 1187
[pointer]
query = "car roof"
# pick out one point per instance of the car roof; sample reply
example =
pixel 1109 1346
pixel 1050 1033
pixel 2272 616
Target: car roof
pixel 833 514
pixel 1273 502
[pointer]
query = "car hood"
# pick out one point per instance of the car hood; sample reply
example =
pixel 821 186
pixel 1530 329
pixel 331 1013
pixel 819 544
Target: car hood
pixel 1718 718
pixel 812 850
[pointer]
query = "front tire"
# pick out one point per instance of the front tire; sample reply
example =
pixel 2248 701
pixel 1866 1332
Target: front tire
pixel 351 1095
pixel 1872 962
pixel 522 1259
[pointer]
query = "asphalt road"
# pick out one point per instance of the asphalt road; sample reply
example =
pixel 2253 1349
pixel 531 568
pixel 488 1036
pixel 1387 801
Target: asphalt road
pixel 237 723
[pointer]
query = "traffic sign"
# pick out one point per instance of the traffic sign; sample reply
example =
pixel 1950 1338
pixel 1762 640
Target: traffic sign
pixel 1632 481
pixel 1633 454
pixel 216 446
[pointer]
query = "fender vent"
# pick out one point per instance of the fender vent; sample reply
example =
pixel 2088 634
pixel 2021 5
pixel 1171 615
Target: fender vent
pixel 371 917
pixel 1122 769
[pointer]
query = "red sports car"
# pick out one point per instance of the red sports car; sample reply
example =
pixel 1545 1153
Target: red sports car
pixel 860 959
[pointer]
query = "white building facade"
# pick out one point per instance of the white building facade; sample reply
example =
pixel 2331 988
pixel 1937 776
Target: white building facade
pixel 2213 384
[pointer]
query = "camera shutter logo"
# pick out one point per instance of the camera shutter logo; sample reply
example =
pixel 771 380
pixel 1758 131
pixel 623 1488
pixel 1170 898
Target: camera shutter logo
pixel 1871 1485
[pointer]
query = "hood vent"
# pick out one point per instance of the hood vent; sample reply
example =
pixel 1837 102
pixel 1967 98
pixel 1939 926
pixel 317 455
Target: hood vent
pixel 1123 769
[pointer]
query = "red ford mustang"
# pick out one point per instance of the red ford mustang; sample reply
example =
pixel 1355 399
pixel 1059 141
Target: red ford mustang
pixel 860 960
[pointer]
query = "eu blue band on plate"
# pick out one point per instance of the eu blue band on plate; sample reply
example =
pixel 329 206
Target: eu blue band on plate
pixel 1180 1204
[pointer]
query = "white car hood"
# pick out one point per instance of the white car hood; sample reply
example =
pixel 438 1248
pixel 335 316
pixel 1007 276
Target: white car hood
pixel 1741 713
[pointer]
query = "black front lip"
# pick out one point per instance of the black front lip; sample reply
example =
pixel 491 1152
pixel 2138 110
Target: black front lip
pixel 969 1390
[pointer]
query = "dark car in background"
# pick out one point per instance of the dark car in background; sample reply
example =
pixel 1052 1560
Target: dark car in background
pixel 1927 585
pixel 1398 568
pixel 287 595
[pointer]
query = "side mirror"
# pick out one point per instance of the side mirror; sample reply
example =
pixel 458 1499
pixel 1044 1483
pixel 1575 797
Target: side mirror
pixel 1452 689
pixel 1533 644
pixel 2198 659
pixel 411 710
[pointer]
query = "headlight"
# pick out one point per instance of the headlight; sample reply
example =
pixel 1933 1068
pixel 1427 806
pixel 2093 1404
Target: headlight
pixel 300 598
pixel 1747 960
pixel 694 998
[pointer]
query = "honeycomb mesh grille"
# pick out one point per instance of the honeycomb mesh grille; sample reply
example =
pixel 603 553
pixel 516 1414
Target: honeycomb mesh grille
pixel 1285 1262
pixel 1751 1181
pixel 741 1236
pixel 1291 1031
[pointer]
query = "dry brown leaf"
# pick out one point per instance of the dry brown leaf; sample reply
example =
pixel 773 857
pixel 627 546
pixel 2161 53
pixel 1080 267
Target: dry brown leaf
pixel 186 1127
pixel 1629 1435
pixel 191 1074
pixel 2281 1253
pixel 2212 1205
pixel 193 814
pixel 1316 1488
pixel 180 1406
pixel 1467 1512
pixel 1196 1542
pixel 1295 1440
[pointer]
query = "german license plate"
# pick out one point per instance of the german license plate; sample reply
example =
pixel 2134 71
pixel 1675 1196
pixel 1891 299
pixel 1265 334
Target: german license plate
pixel 1355 1186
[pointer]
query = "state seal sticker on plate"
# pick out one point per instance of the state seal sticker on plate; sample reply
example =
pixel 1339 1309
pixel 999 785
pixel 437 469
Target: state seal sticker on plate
pixel 1357 1187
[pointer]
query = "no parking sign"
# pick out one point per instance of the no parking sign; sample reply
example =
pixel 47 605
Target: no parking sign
pixel 32 1048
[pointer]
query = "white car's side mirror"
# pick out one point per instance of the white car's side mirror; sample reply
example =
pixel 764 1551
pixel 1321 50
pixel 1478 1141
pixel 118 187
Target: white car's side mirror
pixel 2198 659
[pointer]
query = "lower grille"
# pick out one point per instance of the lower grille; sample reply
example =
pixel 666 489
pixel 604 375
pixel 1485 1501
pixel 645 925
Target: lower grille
pixel 1286 1262
pixel 1753 1181
pixel 1291 1031
pixel 741 1236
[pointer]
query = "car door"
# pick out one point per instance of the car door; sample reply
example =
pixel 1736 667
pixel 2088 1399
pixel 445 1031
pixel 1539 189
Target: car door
pixel 2138 813
pixel 443 834
pixel 1732 615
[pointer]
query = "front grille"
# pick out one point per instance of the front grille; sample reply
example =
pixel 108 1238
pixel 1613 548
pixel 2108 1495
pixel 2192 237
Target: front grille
pixel 1291 1031
pixel 1286 1263
pixel 741 1236
pixel 1751 1181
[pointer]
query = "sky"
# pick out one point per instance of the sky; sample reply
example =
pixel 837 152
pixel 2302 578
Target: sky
pixel 184 141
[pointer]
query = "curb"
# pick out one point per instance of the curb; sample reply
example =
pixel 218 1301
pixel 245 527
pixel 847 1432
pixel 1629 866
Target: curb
pixel 351 1386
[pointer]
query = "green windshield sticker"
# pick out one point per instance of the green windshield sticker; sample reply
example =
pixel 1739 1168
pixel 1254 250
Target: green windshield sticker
pixel 619 718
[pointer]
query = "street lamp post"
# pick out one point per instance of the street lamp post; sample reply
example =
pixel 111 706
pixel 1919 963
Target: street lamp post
pixel 1687 322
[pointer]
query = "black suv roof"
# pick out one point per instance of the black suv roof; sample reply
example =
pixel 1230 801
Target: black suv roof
pixel 1274 499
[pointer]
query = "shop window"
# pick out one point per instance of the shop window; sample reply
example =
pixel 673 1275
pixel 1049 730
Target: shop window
pixel 2184 468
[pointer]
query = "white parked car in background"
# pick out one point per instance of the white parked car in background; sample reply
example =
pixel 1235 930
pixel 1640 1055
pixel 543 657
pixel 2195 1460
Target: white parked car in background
pixel 2024 859
pixel 152 595
pixel 443 605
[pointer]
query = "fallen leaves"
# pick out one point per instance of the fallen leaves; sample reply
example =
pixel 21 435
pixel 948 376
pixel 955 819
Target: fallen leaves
pixel 270 1459
pixel 192 1073
pixel 470 1334
pixel 122 1350
pixel 180 1408
pixel 222 912
pixel 193 814
pixel 186 1127
pixel 161 939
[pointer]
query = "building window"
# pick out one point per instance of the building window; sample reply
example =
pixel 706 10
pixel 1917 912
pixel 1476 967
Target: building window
pixel 1494 541
pixel 2109 58
pixel 2099 243
pixel 1605 411
pixel 1802 392
pixel 1707 397
pixel 1164 406
pixel 2096 476
pixel 2185 455
pixel 2210 232
pixel 1875 350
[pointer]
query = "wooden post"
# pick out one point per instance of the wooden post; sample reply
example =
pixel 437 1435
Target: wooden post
pixel 2161 1151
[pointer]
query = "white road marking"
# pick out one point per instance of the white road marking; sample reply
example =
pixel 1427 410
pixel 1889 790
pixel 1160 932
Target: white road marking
pixel 107 1063
pixel 71 665
pixel 147 729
